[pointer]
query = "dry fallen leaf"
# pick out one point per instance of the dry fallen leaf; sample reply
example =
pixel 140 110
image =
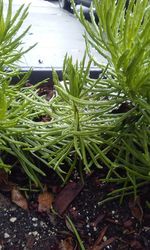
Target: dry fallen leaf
pixel 45 200
pixel 18 198
pixel 106 243
pixel 136 209
pixel 66 196
pixel 66 244
pixel 100 238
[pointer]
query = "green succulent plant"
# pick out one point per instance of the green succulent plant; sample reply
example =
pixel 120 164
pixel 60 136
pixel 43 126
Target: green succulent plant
pixel 82 120
pixel 92 123
pixel 20 106
pixel 121 35
pixel 98 122
pixel 11 43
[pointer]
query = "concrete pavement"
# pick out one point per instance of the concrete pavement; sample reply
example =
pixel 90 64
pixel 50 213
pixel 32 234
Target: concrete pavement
pixel 56 31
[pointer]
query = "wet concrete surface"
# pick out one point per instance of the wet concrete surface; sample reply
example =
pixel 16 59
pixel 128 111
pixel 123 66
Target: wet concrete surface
pixel 56 31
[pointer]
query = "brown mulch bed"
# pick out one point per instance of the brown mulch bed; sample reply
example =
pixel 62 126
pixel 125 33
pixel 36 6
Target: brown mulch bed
pixel 107 226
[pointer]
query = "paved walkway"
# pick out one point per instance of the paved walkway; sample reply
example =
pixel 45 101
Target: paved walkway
pixel 57 32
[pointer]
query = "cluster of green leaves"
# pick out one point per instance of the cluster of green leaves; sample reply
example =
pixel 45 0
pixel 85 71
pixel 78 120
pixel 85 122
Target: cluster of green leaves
pixel 20 106
pixel 11 49
pixel 77 126
pixel 83 117
pixel 90 125
pixel 121 35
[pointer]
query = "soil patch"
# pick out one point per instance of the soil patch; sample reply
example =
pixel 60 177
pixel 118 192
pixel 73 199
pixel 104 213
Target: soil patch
pixel 107 226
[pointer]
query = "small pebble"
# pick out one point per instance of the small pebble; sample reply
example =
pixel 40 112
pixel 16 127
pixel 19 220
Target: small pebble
pixel 42 224
pixel 35 233
pixel 13 219
pixel 104 238
pixel 146 229
pixel 34 219
pixel 6 235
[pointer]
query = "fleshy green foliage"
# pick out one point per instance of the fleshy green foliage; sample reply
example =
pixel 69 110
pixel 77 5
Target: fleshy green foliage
pixel 121 35
pixel 81 122
pixel 82 117
pixel 11 49
pixel 102 122
pixel 84 123
pixel 20 106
